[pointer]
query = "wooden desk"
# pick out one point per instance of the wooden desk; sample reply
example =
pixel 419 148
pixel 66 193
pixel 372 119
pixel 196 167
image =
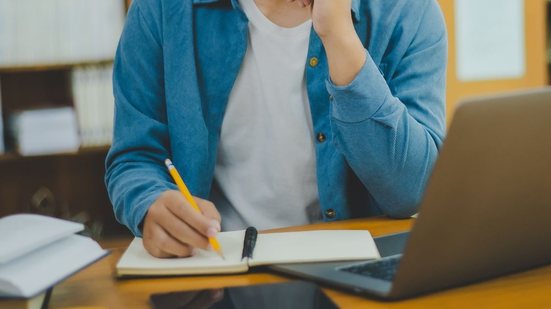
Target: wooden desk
pixel 97 287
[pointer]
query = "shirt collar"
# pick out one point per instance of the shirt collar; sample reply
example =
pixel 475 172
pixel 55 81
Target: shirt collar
pixel 234 3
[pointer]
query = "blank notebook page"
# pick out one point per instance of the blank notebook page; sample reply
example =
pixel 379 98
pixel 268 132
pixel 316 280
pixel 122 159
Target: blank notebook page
pixel 137 261
pixel 313 246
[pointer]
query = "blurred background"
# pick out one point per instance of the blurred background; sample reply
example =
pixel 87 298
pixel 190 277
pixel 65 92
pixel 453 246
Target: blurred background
pixel 56 101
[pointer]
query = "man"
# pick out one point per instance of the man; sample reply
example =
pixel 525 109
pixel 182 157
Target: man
pixel 280 112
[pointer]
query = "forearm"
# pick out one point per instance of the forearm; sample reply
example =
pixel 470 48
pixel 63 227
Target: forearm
pixel 345 53
pixel 391 153
pixel 389 150
pixel 388 116
pixel 135 174
pixel 391 141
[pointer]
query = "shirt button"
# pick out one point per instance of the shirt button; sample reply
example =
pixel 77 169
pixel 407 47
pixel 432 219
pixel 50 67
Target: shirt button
pixel 330 213
pixel 314 61
pixel 331 98
pixel 321 137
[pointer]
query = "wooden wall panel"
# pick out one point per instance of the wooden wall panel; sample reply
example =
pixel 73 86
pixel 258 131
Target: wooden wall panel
pixel 536 61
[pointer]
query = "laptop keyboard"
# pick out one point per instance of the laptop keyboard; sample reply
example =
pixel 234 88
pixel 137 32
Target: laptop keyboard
pixel 383 269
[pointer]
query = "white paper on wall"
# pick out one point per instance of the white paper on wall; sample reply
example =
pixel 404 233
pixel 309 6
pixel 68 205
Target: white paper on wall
pixel 490 39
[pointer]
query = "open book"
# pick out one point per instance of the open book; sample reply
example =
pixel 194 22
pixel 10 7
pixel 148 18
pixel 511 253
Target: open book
pixel 38 252
pixel 275 248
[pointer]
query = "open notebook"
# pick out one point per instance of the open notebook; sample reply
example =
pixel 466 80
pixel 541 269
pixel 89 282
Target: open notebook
pixel 38 252
pixel 275 248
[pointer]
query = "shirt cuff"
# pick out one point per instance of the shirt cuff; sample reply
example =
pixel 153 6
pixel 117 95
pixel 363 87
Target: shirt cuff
pixel 139 212
pixel 359 100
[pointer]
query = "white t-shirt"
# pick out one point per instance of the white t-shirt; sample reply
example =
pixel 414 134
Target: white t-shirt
pixel 266 165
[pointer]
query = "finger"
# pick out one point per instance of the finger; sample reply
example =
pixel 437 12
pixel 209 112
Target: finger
pixel 209 210
pixel 152 249
pixel 181 231
pixel 158 243
pixel 156 252
pixel 150 229
pixel 169 246
pixel 183 210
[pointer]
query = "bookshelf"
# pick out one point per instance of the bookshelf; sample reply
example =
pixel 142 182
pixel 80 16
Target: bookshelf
pixel 52 67
pixel 65 184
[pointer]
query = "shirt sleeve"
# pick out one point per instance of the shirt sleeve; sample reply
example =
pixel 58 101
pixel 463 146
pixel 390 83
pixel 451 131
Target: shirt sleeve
pixel 390 130
pixel 135 173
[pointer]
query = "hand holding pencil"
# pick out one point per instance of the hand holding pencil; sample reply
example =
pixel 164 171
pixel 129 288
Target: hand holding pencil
pixel 173 227
pixel 183 188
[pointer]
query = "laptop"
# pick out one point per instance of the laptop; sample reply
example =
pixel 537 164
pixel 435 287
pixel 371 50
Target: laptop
pixel 486 210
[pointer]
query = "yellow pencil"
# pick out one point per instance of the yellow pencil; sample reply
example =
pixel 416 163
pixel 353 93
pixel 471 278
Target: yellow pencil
pixel 187 195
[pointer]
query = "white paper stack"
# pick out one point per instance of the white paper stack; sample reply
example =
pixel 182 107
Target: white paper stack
pixel 59 31
pixel 94 102
pixel 45 131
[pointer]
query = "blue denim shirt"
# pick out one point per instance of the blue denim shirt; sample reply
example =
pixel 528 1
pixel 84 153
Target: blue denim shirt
pixel 178 60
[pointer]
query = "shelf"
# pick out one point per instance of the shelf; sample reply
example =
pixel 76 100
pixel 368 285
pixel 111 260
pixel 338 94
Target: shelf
pixel 12 157
pixel 52 67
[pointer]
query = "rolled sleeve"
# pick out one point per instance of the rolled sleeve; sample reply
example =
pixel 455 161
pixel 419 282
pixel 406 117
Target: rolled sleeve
pixel 135 174
pixel 390 129
pixel 361 98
